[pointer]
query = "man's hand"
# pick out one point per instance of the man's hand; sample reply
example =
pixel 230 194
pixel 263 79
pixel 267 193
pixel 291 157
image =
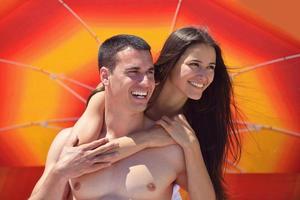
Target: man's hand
pixel 75 161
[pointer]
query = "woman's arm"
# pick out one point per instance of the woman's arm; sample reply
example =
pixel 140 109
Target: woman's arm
pixel 135 142
pixel 89 126
pixel 195 179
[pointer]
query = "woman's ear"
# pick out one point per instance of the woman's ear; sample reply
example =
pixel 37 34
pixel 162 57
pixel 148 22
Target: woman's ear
pixel 104 75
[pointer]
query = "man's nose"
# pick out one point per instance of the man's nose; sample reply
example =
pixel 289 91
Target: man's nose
pixel 145 80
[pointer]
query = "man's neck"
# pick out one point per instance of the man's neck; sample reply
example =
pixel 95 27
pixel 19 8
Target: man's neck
pixel 119 122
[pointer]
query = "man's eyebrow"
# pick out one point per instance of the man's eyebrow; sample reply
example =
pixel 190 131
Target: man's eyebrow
pixel 137 68
pixel 132 68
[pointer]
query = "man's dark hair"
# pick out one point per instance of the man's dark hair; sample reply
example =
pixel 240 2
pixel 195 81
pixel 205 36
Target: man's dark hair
pixel 111 46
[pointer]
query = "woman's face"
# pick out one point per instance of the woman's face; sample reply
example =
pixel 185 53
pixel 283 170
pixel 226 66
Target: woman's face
pixel 194 71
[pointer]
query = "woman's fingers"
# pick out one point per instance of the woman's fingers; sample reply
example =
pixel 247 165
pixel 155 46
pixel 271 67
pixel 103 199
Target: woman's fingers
pixel 94 144
pixel 164 124
pixel 108 157
pixel 183 119
pixel 167 120
pixel 179 120
pixel 97 166
pixel 104 148
pixel 181 116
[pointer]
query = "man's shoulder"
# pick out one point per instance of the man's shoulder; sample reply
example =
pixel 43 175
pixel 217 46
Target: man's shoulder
pixel 57 145
pixel 171 157
pixel 173 154
pixel 64 133
pixel 172 150
pixel 61 138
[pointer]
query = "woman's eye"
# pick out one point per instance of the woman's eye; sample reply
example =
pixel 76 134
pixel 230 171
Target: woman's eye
pixel 194 64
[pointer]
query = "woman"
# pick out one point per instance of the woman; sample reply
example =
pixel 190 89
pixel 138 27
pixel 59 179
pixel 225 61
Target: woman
pixel 184 69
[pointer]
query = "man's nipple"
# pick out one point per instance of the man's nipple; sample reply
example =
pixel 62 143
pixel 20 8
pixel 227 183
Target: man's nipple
pixel 76 185
pixel 151 186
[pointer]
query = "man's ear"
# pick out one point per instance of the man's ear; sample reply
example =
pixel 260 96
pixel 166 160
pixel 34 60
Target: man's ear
pixel 104 75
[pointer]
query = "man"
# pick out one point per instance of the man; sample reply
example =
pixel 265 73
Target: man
pixel 127 74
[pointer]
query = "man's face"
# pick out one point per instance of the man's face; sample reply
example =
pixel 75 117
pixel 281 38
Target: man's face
pixel 132 81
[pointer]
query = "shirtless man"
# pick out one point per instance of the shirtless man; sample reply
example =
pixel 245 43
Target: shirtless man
pixel 151 173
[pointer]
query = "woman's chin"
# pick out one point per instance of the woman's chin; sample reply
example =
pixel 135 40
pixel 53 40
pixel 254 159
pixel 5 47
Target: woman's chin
pixel 195 96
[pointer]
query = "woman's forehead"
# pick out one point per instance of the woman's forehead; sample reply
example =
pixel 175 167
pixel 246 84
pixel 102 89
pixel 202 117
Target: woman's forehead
pixel 201 52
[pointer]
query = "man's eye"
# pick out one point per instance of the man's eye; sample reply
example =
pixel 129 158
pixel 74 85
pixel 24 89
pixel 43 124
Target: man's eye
pixel 151 72
pixel 213 67
pixel 132 72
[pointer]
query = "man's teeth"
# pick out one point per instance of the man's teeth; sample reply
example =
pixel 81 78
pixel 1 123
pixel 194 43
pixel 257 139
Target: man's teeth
pixel 139 94
pixel 198 85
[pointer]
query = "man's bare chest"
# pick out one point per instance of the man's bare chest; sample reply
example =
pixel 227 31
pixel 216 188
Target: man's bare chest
pixel 149 173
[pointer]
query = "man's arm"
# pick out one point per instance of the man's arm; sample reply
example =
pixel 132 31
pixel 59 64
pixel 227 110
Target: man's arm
pixel 50 180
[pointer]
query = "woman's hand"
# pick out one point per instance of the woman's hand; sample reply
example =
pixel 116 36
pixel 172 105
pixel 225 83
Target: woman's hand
pixel 180 130
pixel 195 177
pixel 75 161
pixel 157 137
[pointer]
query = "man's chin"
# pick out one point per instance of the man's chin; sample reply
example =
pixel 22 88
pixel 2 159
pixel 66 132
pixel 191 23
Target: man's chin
pixel 138 107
